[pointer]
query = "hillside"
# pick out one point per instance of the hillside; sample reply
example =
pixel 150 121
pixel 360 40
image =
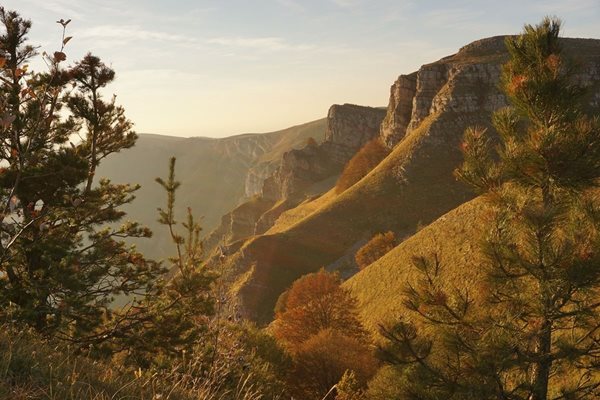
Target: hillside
pixel 300 175
pixel 426 117
pixel 453 237
pixel 216 174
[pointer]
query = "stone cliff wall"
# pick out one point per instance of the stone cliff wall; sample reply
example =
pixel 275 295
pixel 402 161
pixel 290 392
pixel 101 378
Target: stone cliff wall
pixel 427 115
pixel 349 127
pixel 284 186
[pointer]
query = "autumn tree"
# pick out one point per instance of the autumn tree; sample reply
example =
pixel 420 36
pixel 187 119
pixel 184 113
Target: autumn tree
pixel 367 158
pixel 62 257
pixel 313 303
pixel 322 361
pixel 534 335
pixel 317 322
pixel 374 249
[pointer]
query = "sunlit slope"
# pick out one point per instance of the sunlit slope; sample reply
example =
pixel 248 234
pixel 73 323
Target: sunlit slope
pixel 454 237
pixel 413 186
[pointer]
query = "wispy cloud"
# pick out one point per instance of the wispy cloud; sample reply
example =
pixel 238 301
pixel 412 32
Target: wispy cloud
pixel 259 43
pixel 64 8
pixel 127 33
pixel 452 17
pixel 565 6
pixel 346 3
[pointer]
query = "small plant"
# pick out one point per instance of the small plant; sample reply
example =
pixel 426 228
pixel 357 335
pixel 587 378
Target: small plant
pixel 377 247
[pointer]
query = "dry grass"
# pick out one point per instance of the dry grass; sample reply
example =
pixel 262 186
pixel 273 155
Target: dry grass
pixel 33 369
pixel 405 190
pixel 454 237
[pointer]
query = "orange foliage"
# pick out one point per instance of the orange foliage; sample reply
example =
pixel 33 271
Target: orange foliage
pixel 316 302
pixel 375 248
pixel 317 322
pixel 322 360
pixel 361 164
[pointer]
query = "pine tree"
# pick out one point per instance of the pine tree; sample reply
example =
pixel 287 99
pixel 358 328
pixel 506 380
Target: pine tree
pixel 63 259
pixel 174 320
pixel 535 336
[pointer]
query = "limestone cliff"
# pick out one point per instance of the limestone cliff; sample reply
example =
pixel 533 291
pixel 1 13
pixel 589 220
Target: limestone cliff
pixel 349 127
pixel 299 173
pixel 427 115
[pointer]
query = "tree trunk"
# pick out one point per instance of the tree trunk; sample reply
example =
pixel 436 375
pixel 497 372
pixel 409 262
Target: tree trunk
pixel 541 368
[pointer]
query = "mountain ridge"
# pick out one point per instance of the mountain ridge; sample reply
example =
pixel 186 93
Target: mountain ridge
pixel 426 118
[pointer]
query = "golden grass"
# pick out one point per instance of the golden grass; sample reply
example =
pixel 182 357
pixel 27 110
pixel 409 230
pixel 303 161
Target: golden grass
pixel 35 369
pixel 405 190
pixel 454 237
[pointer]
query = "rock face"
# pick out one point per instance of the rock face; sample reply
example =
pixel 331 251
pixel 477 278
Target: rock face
pixel 349 127
pixel 399 111
pixel 256 177
pixel 428 113
pixel 298 170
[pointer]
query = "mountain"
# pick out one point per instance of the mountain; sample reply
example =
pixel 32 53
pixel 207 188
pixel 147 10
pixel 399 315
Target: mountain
pixel 216 174
pixel 414 186
pixel 302 173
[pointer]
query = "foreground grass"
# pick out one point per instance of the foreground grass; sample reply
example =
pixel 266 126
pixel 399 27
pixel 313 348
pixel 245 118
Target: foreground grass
pixel 31 368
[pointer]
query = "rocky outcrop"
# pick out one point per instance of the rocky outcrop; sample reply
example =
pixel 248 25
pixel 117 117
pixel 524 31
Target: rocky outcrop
pixel 349 127
pixel 256 176
pixel 399 112
pixel 298 170
pixel 238 224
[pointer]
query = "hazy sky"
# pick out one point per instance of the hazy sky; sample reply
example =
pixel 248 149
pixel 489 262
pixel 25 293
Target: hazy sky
pixel 217 68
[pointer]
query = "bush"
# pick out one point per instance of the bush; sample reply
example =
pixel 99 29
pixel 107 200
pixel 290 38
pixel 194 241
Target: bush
pixel 316 302
pixel 377 247
pixel 321 362
pixel 367 158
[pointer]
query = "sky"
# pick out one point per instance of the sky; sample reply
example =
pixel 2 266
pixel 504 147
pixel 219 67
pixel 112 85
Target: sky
pixel 225 67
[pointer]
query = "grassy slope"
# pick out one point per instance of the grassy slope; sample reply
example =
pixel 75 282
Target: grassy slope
pixel 391 197
pixel 454 237
pixel 412 187
pixel 212 173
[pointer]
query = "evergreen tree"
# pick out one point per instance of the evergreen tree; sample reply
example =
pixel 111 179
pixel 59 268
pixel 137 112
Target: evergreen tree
pixel 535 333
pixel 174 319
pixel 62 258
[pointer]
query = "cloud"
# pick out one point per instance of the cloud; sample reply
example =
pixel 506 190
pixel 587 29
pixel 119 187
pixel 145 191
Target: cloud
pixel 452 18
pixel 128 33
pixel 258 43
pixel 346 3
pixel 565 6
pixel 63 8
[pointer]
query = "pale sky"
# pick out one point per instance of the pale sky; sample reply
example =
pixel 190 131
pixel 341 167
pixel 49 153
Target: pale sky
pixel 219 68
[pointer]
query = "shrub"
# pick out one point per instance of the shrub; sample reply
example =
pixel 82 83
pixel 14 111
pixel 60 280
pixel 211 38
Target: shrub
pixel 377 247
pixel 322 361
pixel 367 158
pixel 313 303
